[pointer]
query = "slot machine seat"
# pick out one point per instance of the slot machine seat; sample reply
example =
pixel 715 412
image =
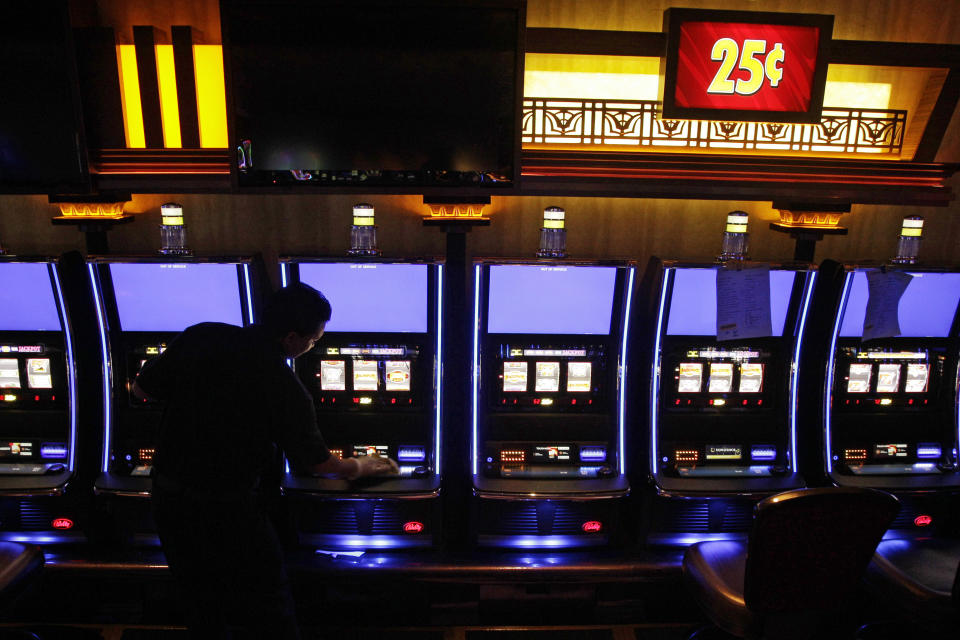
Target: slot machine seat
pixel 20 564
pixel 921 578
pixel 805 554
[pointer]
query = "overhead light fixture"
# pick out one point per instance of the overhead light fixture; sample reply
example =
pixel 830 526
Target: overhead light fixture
pixel 363 233
pixel 735 237
pixel 911 233
pixel 553 235
pixel 90 210
pixel 173 233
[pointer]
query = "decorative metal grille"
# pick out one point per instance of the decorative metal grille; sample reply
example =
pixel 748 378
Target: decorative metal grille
pixel 626 123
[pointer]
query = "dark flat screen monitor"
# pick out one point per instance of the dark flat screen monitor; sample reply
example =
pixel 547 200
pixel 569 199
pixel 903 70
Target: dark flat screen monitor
pixel 693 306
pixel 412 86
pixel 926 309
pixel 41 133
pixel 371 297
pixel 26 298
pixel 551 299
pixel 172 297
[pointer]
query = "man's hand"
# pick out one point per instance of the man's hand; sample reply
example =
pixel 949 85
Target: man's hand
pixel 375 466
pixel 353 468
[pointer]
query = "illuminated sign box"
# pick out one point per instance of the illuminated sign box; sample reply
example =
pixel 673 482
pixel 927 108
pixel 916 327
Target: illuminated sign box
pixel 744 66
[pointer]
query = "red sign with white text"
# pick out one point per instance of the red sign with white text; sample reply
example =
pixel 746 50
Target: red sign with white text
pixel 750 67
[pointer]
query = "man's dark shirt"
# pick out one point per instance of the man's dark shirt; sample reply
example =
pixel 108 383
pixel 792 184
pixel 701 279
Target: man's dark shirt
pixel 230 400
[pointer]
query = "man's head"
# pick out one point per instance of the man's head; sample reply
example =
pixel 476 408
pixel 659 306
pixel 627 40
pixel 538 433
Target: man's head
pixel 296 316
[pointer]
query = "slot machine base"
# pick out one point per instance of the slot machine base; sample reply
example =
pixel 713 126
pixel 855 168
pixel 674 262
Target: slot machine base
pixel 364 523
pixel 546 523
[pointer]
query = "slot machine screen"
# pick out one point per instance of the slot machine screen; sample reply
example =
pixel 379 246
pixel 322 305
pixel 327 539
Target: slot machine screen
pixel 551 453
pixel 926 309
pixel 890 451
pixel 693 305
pixel 365 376
pixel 333 375
pixel 397 375
pixel 26 298
pixel 858 378
pixel 9 373
pixel 751 377
pixel 515 377
pixel 721 377
pixel 371 297
pixel 360 450
pixel 542 299
pixel 888 378
pixel 724 452
pixel 918 378
pixel 578 377
pixel 38 373
pixel 548 377
pixel 172 297
pixel 690 378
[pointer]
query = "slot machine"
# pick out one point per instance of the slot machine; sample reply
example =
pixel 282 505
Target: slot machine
pixel 890 418
pixel 142 303
pixel 549 401
pixel 722 413
pixel 376 379
pixel 39 404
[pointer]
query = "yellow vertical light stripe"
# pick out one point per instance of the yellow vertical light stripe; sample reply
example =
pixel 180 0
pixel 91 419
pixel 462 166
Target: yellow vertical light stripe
pixel 169 107
pixel 130 97
pixel 211 95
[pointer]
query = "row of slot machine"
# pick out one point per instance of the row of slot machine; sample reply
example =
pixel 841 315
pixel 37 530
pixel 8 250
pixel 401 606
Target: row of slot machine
pixel 586 385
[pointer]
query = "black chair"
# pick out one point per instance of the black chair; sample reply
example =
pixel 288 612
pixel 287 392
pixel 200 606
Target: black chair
pixel 801 564
pixel 919 580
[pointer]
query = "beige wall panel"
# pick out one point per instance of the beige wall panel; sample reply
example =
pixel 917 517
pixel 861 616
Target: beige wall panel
pixel 596 228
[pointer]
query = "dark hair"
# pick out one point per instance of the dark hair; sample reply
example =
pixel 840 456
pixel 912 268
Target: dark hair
pixel 298 307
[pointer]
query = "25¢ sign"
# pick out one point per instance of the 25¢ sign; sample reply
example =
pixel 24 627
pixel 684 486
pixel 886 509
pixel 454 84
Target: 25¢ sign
pixel 744 70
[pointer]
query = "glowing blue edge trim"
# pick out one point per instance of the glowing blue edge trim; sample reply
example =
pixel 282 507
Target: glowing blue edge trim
pixel 101 321
pixel 378 541
pixel 283 283
pixel 544 542
pixel 71 367
pixel 655 386
pixel 476 363
pixel 623 375
pixel 795 367
pixel 41 538
pixel 246 281
pixel 957 409
pixel 831 357
pixel 439 368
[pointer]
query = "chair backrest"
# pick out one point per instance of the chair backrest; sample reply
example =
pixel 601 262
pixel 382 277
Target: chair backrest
pixel 809 548
pixel 956 588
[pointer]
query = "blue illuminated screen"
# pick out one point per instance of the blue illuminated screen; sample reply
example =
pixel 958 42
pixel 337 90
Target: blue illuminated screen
pixel 551 299
pixel 26 298
pixel 371 297
pixel 172 297
pixel 926 309
pixel 693 306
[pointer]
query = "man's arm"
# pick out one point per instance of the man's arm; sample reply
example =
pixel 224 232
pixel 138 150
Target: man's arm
pixel 300 438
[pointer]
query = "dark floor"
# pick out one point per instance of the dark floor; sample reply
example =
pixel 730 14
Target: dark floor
pixel 123 632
